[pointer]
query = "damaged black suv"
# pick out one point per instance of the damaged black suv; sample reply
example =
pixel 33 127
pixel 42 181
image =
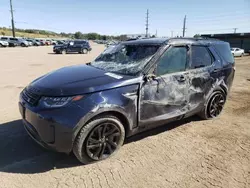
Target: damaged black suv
pixel 133 86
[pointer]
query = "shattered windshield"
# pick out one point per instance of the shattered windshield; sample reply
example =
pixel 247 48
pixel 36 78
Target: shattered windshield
pixel 125 59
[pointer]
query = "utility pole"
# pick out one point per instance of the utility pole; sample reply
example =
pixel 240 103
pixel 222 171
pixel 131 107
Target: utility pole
pixel 172 33
pixel 147 24
pixel 184 27
pixel 12 19
pixel 235 29
pixel 156 33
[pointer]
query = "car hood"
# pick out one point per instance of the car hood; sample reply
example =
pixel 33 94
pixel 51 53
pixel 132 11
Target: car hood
pixel 78 79
pixel 4 42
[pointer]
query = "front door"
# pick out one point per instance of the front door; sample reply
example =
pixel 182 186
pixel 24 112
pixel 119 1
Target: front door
pixel 165 97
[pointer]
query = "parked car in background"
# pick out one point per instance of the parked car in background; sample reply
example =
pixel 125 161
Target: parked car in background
pixel 3 43
pixel 54 42
pixel 111 43
pixel 59 42
pixel 48 42
pixel 20 42
pixel 34 42
pixel 11 43
pixel 80 46
pixel 237 52
pixel 133 87
pixel 42 41
pixel 16 41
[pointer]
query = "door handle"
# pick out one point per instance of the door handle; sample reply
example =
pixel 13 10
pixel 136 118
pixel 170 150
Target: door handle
pixel 181 78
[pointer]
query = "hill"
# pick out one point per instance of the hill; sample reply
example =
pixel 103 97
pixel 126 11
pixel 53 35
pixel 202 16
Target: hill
pixel 29 33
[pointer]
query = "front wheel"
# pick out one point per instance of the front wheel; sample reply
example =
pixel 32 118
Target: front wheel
pixel 214 106
pixel 23 45
pixel 63 52
pixel 99 139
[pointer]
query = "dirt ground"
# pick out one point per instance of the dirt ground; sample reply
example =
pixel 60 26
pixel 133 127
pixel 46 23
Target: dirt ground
pixel 188 153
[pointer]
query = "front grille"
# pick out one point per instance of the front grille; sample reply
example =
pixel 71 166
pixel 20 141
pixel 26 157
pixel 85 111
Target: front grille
pixel 30 97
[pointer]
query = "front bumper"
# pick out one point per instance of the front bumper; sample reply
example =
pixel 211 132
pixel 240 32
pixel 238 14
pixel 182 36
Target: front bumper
pixel 56 50
pixel 46 131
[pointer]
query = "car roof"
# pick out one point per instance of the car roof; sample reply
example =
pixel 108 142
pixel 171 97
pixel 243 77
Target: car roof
pixel 158 41
pixel 174 41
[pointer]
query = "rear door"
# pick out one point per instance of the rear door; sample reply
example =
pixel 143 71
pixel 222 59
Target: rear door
pixel 203 72
pixel 77 46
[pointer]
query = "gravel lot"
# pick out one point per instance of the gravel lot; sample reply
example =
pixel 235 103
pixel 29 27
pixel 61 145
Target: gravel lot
pixel 188 153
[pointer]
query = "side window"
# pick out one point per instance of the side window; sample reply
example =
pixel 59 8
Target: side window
pixel 173 60
pixel 200 57
pixel 4 38
pixel 224 51
pixel 237 49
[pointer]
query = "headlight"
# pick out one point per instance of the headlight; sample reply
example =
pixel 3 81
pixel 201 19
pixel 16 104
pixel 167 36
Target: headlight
pixel 59 101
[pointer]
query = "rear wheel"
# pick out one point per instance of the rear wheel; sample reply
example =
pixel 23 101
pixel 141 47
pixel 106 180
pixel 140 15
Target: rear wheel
pixel 1 45
pixel 22 44
pixel 214 106
pixel 99 139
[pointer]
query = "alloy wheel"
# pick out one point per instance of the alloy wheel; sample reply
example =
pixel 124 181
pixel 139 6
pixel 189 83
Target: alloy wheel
pixel 103 141
pixel 216 105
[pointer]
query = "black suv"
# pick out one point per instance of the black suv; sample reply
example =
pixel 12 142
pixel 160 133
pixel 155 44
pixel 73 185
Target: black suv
pixel 80 46
pixel 131 87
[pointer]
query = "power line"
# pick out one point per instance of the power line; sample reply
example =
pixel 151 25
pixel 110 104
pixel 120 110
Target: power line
pixel 147 23
pixel 12 19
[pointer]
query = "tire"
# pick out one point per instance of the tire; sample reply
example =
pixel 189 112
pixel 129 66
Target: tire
pixel 84 51
pixel 1 45
pixel 217 98
pixel 22 44
pixel 63 52
pixel 101 146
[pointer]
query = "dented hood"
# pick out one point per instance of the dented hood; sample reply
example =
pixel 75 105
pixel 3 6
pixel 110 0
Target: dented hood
pixel 75 80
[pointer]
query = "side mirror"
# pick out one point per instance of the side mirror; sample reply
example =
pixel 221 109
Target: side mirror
pixel 152 77
pixel 149 77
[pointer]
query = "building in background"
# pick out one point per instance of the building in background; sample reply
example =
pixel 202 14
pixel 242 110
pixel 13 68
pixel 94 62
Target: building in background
pixel 236 40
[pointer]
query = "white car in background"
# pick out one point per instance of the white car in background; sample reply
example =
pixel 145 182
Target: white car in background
pixel 237 52
pixel 3 43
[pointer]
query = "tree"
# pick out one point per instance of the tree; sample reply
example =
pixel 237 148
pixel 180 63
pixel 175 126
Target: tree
pixel 78 35
pixel 104 37
pixel 3 33
pixel 92 36
pixel 197 36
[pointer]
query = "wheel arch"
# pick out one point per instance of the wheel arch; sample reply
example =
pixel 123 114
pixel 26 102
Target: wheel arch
pixel 113 112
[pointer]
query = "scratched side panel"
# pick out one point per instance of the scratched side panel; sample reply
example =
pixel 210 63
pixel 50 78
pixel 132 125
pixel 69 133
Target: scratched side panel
pixel 163 101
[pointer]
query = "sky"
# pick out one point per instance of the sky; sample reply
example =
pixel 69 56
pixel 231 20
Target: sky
pixel 115 17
